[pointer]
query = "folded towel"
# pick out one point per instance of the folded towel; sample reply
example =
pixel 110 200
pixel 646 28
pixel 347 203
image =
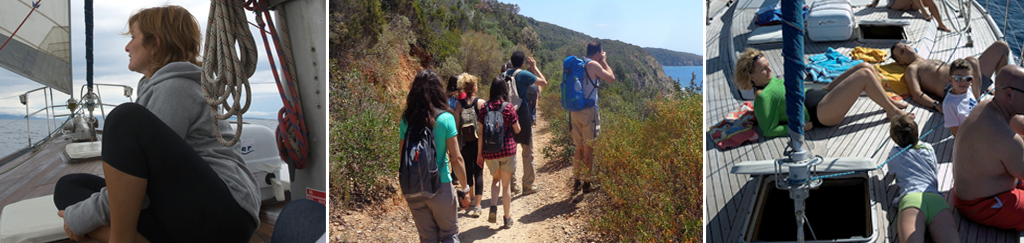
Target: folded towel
pixel 870 55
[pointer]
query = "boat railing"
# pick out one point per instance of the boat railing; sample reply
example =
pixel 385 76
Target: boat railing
pixel 53 113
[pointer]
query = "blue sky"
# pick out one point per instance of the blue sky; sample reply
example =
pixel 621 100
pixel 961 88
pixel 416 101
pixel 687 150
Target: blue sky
pixel 676 25
pixel 111 61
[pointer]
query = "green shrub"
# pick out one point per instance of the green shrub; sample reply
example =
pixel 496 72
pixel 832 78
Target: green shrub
pixel 364 139
pixel 651 172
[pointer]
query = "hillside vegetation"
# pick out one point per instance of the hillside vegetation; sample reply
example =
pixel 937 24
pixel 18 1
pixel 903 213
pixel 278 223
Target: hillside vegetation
pixel 650 128
pixel 674 58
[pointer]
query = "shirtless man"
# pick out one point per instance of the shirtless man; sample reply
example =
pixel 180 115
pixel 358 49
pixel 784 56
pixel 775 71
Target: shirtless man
pixel 907 5
pixel 988 157
pixel 930 76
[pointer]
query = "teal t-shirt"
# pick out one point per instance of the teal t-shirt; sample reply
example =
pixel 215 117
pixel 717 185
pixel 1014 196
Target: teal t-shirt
pixel 443 130
pixel 770 109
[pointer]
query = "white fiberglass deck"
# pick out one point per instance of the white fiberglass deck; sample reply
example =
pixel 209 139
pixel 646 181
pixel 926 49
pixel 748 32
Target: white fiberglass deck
pixel 864 132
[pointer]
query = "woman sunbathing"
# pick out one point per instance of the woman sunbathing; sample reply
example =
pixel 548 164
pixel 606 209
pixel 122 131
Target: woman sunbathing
pixel 822 107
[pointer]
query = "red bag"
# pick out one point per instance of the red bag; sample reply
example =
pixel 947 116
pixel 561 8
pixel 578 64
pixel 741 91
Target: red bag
pixel 736 129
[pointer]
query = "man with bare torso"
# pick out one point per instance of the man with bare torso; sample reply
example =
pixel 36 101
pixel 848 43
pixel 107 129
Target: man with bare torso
pixel 988 157
pixel 930 77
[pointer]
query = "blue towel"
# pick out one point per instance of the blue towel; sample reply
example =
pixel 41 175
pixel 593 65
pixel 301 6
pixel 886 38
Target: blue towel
pixel 825 67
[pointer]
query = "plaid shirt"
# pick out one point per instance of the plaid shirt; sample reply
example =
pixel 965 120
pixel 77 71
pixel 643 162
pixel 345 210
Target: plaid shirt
pixel 509 112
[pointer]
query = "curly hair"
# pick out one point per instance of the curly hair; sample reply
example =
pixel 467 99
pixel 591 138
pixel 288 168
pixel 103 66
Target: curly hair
pixel 468 83
pixel 743 68
pixel 425 96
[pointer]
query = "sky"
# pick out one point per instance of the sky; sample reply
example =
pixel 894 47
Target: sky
pixel 670 24
pixel 111 61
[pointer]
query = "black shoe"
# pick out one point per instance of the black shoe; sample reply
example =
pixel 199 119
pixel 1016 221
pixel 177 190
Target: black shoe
pixel 508 223
pixel 575 185
pixel 493 217
pixel 587 187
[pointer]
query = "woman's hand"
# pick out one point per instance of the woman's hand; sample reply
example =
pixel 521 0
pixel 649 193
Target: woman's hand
pixel 68 231
pixel 480 160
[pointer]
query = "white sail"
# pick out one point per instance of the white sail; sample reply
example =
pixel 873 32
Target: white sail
pixel 41 49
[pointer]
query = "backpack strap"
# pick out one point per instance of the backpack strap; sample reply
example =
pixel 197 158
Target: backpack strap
pixel 592 80
pixel 514 84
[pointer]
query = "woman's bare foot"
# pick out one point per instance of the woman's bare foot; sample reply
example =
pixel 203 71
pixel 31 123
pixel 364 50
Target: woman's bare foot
pixel 926 16
pixel 943 27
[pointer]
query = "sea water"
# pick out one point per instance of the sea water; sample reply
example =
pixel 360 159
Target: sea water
pixel 683 74
pixel 15 133
pixel 1015 32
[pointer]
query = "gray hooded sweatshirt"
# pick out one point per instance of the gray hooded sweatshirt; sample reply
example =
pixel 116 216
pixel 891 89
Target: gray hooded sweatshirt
pixel 175 95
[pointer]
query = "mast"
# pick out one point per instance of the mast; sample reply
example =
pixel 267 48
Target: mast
pixel 799 163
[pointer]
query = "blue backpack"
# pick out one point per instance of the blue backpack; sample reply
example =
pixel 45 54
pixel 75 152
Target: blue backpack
pixel 417 170
pixel 574 71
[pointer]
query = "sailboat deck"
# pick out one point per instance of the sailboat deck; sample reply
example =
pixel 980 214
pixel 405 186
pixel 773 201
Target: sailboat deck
pixel 34 174
pixel 864 132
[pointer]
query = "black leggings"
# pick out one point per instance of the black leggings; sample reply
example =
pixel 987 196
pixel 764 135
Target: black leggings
pixel 473 171
pixel 188 200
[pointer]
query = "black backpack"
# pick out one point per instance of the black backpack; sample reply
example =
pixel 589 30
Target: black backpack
pixel 494 129
pixel 469 121
pixel 417 171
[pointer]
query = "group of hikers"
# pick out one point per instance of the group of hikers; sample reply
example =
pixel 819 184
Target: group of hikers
pixel 988 149
pixel 461 134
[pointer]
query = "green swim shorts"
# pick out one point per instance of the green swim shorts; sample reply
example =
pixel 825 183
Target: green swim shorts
pixel 929 203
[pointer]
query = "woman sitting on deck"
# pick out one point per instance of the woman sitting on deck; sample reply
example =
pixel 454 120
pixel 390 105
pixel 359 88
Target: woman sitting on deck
pixel 168 178
pixel 822 107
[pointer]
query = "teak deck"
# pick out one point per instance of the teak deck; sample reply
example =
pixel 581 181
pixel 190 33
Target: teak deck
pixel 34 174
pixel 864 132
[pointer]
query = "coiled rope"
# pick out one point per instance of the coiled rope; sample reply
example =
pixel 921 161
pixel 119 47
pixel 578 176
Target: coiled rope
pixel 291 127
pixel 225 71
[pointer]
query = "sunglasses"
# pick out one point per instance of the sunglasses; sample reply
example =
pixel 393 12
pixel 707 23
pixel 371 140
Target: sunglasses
pixel 1018 90
pixel 963 79
pixel 758 56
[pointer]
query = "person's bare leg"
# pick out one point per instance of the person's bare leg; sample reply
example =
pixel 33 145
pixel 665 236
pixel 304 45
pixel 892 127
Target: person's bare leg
pixel 577 158
pixel 935 12
pixel 125 193
pixel 993 58
pixel 943 228
pixel 910 225
pixel 901 5
pixel 846 74
pixel 506 197
pixel 495 190
pixel 834 106
pixel 919 5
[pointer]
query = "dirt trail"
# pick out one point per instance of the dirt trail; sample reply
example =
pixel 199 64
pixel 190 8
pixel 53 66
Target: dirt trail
pixel 554 214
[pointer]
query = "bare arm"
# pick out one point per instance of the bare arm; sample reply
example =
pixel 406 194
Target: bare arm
pixel 1013 156
pixel 953 130
pixel 914 85
pixel 601 69
pixel 515 127
pixel 541 81
pixel 456 161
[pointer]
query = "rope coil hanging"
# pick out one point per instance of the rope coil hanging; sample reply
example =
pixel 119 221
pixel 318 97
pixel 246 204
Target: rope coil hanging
pixel 224 75
pixel 291 129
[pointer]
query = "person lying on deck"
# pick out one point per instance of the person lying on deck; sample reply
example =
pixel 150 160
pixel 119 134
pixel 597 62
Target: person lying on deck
pixel 907 5
pixel 822 107
pixel 167 177
pixel 921 205
pixel 988 157
pixel 931 77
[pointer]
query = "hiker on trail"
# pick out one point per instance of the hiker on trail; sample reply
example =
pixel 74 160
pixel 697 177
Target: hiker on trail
pixel 907 5
pixel 988 157
pixel 454 92
pixel 585 124
pixel 521 81
pixel 437 217
pixel 822 107
pixel 468 135
pixel 166 175
pixel 931 77
pixel 497 148
pixel 921 205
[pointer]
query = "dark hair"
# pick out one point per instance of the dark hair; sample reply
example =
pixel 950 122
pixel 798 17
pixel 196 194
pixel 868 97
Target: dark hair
pixel 892 51
pixel 903 130
pixel 507 66
pixel 593 48
pixel 959 64
pixel 425 95
pixel 453 85
pixel 517 59
pixel 499 89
